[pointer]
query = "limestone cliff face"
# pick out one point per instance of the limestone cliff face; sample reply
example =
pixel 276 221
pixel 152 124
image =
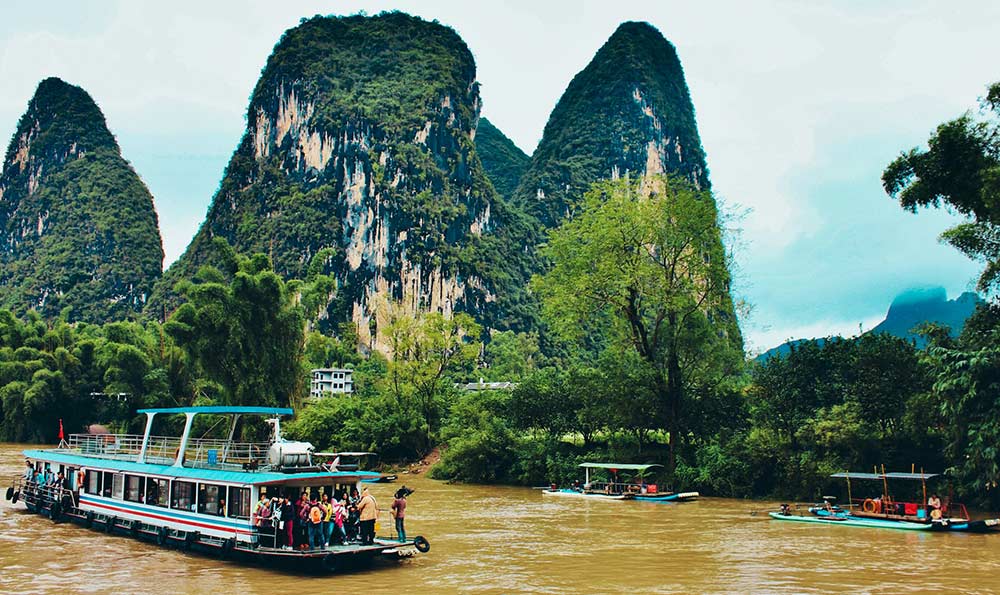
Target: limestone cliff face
pixel 360 143
pixel 503 162
pixel 77 225
pixel 627 113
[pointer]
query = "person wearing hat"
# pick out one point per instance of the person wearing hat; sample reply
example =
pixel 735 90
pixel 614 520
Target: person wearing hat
pixel 398 509
pixel 368 513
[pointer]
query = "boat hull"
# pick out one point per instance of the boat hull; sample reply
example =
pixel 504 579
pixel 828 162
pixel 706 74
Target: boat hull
pixel 592 496
pixel 335 559
pixel 669 497
pixel 851 522
pixel 949 526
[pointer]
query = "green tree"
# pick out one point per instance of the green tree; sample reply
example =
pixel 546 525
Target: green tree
pixel 961 169
pixel 426 350
pixel 246 335
pixel 647 258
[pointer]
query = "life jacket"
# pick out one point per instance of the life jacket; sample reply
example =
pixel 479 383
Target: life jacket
pixel 315 515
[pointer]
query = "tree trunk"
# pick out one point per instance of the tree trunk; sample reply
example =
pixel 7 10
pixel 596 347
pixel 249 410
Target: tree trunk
pixel 674 389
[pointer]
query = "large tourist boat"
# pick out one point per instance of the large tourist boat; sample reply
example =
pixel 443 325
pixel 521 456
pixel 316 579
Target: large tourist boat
pixel 884 512
pixel 199 494
pixel 616 488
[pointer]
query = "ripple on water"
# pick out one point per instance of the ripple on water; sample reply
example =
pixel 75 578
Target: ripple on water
pixel 515 540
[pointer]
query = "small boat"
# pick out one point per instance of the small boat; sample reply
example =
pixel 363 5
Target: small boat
pixel 884 512
pixel 616 490
pixel 199 494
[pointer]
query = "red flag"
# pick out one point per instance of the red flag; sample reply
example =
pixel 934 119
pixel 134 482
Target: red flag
pixel 62 436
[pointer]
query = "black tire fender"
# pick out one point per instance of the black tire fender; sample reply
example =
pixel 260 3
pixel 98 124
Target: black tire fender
pixel 15 497
pixel 191 538
pixel 10 492
pixel 330 563
pixel 134 528
pixel 109 524
pixel 55 511
pixel 227 547
pixel 89 522
pixel 420 542
pixel 161 536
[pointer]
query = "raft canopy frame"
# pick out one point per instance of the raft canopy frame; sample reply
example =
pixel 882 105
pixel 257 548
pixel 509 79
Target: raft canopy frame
pixel 614 468
pixel 884 476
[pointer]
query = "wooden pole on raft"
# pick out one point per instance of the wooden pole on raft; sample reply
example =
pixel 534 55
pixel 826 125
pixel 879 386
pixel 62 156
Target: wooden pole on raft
pixel 848 473
pixel 885 489
pixel 923 480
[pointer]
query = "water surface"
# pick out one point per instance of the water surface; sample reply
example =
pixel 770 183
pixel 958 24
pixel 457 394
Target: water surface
pixel 515 540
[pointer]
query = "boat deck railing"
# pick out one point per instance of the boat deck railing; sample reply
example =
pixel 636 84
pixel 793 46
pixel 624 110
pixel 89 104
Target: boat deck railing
pixel 208 453
pixel 609 487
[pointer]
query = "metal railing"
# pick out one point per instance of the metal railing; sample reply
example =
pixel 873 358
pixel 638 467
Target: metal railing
pixel 200 452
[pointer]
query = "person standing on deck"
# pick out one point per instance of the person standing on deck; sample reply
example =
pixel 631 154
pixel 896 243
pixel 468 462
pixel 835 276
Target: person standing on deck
pixel 339 511
pixel 29 471
pixel 934 506
pixel 367 514
pixel 302 519
pixel 287 522
pixel 327 520
pixel 398 510
pixel 315 525
pixel 262 510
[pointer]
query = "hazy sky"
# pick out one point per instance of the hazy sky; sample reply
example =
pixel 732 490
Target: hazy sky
pixel 800 106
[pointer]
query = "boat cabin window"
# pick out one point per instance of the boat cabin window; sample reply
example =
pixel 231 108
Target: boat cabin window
pixel 134 487
pixel 238 504
pixel 182 496
pixel 107 483
pixel 208 498
pixel 157 491
pixel 119 486
pixel 94 482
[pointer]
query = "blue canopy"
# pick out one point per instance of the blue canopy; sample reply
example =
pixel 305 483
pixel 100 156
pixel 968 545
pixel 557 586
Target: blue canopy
pixel 230 410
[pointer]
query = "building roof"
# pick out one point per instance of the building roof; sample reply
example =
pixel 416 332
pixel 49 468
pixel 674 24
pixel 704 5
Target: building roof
pixel 193 473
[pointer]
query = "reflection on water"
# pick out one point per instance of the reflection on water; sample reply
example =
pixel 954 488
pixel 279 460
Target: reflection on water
pixel 515 540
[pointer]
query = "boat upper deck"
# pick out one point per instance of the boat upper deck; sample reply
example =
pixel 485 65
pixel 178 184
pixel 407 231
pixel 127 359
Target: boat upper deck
pixel 185 456
pixel 68 456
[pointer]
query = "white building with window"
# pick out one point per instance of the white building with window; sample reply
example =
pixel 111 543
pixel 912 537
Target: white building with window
pixel 327 381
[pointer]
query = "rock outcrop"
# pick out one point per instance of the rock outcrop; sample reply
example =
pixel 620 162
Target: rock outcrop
pixel 77 226
pixel 503 162
pixel 628 113
pixel 360 148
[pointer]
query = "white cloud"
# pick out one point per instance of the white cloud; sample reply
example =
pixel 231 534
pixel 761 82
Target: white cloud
pixel 784 92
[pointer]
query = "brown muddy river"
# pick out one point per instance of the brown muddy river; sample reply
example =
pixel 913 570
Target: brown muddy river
pixel 515 540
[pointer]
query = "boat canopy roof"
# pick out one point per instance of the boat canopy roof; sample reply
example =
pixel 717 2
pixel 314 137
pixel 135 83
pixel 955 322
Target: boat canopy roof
pixel 881 476
pixel 619 466
pixel 224 410
pixel 194 473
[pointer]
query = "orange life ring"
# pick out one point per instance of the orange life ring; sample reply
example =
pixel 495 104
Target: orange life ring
pixel 871 505
pixel 936 514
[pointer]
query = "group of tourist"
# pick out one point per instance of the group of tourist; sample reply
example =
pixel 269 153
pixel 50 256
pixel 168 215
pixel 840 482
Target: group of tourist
pixel 316 521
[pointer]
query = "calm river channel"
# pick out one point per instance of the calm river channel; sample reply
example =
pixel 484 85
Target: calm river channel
pixel 515 540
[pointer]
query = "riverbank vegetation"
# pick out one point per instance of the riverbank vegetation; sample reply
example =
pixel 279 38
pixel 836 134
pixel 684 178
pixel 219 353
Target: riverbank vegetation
pixel 635 359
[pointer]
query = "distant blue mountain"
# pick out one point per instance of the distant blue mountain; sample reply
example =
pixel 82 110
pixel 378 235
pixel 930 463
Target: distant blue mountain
pixel 909 310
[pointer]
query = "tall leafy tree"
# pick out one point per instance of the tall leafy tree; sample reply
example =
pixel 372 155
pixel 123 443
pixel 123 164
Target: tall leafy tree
pixel 646 259
pixel 960 169
pixel 245 334
pixel 427 349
